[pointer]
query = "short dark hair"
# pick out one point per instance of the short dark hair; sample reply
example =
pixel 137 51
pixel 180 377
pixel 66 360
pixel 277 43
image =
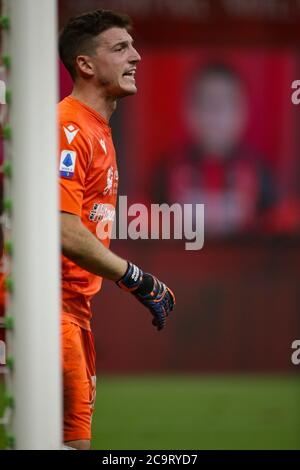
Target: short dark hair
pixel 77 36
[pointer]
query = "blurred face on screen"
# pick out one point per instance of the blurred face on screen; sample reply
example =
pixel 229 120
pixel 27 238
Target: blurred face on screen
pixel 113 65
pixel 217 114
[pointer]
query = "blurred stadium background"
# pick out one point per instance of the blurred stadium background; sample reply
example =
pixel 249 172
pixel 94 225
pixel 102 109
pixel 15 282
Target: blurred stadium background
pixel 220 376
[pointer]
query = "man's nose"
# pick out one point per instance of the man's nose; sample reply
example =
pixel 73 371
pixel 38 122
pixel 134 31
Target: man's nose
pixel 135 56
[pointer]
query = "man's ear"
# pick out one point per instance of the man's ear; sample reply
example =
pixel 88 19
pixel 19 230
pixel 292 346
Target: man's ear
pixel 85 65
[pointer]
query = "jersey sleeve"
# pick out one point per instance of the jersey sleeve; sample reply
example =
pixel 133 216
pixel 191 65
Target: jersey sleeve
pixel 74 160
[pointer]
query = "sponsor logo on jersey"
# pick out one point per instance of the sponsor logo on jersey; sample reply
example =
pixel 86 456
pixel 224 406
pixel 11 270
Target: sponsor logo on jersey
pixel 67 163
pixel 102 213
pixel 71 132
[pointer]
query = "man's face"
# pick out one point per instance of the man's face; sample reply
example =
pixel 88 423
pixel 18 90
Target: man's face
pixel 218 114
pixel 115 62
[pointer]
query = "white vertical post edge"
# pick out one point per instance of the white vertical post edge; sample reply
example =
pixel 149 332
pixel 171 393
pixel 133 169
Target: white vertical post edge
pixel 35 225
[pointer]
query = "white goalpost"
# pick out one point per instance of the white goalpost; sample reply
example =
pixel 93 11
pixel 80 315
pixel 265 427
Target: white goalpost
pixel 34 304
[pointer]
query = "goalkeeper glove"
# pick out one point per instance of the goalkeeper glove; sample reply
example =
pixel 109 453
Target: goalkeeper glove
pixel 151 292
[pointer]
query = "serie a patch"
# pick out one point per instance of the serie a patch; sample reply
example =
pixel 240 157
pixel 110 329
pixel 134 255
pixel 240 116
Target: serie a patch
pixel 67 163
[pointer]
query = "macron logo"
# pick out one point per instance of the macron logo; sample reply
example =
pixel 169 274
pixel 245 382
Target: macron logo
pixel 103 145
pixel 70 132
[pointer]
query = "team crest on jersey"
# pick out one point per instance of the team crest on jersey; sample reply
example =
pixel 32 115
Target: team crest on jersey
pixel 70 132
pixel 67 163
pixel 112 179
pixel 109 181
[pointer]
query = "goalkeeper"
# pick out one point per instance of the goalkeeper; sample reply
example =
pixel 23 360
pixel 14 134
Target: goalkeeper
pixel 97 50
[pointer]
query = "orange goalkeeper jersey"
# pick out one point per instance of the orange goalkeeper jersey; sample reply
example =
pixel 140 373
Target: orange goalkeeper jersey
pixel 88 188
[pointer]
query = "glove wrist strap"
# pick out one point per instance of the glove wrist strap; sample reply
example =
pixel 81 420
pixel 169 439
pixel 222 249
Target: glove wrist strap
pixel 131 279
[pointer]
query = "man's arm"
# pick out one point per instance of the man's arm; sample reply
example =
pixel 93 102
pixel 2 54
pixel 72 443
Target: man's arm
pixel 84 249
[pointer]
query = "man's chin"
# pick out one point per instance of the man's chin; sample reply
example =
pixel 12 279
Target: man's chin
pixel 127 91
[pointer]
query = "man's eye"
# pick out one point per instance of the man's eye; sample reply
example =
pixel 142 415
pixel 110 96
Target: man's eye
pixel 120 48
